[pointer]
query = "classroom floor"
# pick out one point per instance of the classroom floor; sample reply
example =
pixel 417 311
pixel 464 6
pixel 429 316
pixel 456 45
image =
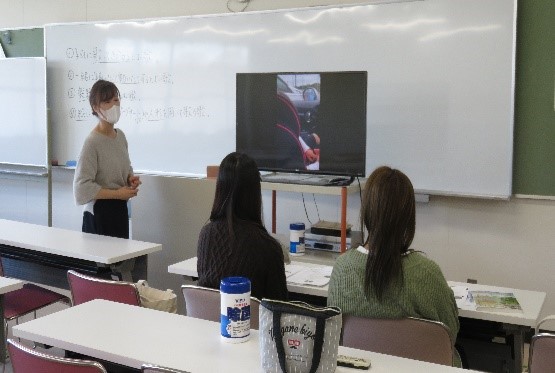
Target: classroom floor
pixel 59 352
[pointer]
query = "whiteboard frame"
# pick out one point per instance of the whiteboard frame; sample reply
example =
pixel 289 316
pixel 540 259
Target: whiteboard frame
pixel 502 193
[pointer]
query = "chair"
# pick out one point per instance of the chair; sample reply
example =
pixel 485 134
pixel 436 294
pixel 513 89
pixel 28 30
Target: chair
pixel 149 368
pixel 255 312
pixel 411 338
pixel 542 350
pixel 204 303
pixel 85 288
pixel 27 360
pixel 29 298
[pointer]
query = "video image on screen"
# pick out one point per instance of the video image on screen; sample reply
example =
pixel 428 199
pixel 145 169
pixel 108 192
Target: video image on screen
pixel 303 122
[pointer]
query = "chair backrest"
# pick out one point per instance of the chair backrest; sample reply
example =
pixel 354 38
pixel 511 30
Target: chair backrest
pixel 255 312
pixel 542 353
pixel 85 288
pixel 204 303
pixel 149 368
pixel 27 360
pixel 542 349
pixel 412 338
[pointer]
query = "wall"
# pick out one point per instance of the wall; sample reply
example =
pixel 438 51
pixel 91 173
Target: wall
pixel 506 243
pixel 23 197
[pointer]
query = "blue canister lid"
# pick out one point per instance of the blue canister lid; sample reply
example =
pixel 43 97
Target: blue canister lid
pixel 235 285
pixel 296 226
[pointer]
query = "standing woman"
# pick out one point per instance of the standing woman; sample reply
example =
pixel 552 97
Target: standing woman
pixel 104 179
pixel 384 278
pixel 234 242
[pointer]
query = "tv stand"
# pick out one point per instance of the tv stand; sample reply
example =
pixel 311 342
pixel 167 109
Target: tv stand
pixel 341 191
pixel 308 179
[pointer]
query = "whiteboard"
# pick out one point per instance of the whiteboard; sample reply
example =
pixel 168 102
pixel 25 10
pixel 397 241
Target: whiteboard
pixel 440 84
pixel 23 117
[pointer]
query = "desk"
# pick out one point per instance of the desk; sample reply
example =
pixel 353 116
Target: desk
pixel 36 247
pixel 514 324
pixel 141 335
pixel 189 268
pixel 6 285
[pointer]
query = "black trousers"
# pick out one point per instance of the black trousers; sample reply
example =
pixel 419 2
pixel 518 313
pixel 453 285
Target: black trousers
pixel 110 218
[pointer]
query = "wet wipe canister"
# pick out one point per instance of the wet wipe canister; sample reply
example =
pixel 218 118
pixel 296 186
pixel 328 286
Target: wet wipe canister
pixel 235 309
pixel 296 238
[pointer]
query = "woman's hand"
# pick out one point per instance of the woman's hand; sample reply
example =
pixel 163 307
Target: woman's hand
pixel 312 155
pixel 127 192
pixel 133 181
pixel 123 193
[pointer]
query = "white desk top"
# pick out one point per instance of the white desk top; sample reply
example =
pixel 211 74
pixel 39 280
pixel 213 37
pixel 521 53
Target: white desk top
pixel 189 268
pixel 72 244
pixel 9 284
pixel 530 301
pixel 141 335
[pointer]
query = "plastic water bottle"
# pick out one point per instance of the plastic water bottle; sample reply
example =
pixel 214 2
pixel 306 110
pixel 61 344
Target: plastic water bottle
pixel 235 309
pixel 296 238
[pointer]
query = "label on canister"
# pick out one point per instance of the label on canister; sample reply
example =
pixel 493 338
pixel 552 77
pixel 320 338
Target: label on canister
pixel 235 309
pixel 296 239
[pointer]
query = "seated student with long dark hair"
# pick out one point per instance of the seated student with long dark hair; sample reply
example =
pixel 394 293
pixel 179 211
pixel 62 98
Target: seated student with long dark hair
pixel 384 278
pixel 234 242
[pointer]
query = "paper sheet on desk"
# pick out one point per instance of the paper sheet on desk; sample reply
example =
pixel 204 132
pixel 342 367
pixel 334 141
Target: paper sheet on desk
pixel 291 269
pixel 463 298
pixel 298 274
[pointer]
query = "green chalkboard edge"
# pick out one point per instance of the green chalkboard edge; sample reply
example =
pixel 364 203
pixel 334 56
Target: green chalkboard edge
pixel 534 131
pixel 25 42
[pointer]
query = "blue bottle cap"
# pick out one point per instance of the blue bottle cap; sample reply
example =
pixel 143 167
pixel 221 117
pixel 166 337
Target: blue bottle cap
pixel 235 285
pixel 296 226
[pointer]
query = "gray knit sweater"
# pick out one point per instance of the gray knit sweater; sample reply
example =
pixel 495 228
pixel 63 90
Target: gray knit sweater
pixel 424 292
pixel 103 163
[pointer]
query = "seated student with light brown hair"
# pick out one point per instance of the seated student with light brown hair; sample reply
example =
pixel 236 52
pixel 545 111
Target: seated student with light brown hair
pixel 384 278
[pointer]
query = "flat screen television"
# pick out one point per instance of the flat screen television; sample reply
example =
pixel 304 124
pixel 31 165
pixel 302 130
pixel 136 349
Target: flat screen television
pixel 303 122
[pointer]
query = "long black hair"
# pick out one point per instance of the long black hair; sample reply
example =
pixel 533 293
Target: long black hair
pixel 388 213
pixel 238 192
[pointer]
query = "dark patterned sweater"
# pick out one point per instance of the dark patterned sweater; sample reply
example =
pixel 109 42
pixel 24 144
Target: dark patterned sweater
pixel 254 254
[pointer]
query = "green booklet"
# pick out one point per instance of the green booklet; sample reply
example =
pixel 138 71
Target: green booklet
pixel 495 301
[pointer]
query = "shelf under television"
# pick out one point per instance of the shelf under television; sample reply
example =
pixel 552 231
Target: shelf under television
pixel 341 191
pixel 316 189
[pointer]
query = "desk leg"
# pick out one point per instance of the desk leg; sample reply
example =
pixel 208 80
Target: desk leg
pixel 273 211
pixel 517 332
pixel 3 351
pixel 123 270
pixel 343 219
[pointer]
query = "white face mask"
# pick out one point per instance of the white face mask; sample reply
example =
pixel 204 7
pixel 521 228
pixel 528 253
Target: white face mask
pixel 111 115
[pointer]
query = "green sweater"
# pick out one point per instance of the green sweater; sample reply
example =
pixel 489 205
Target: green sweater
pixel 424 292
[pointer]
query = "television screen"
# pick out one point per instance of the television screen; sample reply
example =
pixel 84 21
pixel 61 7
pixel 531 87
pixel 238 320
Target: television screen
pixel 303 122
